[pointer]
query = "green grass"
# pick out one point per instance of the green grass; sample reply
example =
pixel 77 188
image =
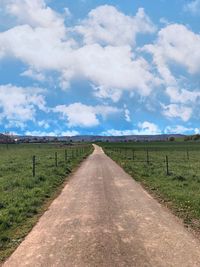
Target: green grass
pixel 180 190
pixel 22 196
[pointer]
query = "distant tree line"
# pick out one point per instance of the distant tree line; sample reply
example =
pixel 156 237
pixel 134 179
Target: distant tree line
pixel 195 137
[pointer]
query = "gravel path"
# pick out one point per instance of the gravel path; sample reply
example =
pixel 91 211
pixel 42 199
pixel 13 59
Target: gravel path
pixel 104 218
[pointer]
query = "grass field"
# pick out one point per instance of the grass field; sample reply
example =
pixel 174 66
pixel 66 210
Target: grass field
pixel 22 196
pixel 146 162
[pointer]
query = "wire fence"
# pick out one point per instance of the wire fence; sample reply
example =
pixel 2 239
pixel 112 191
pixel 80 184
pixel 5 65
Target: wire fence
pixel 170 160
pixel 36 159
pixel 62 157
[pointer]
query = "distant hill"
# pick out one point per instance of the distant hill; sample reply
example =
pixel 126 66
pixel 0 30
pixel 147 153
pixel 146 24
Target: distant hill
pixel 96 138
pixel 5 139
pixel 127 138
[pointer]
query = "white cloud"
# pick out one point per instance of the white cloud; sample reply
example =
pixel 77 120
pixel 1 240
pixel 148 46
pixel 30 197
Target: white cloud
pixel 177 45
pixel 197 130
pixel 78 115
pixel 39 39
pixel 54 133
pixel 40 48
pixel 34 75
pixel 39 133
pixel 106 25
pixel 193 7
pixel 112 70
pixel 106 92
pixel 178 129
pixel 144 128
pixel 35 13
pixel 69 133
pixel 81 115
pixel 182 96
pixel 148 128
pixel 114 132
pixel 43 43
pixel 177 111
pixel 14 123
pixel 127 114
pixel 19 105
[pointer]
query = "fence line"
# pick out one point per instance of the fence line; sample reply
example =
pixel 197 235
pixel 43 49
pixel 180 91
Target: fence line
pixel 130 155
pixel 74 152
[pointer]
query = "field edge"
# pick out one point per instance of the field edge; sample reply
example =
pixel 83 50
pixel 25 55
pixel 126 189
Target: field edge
pixel 26 228
pixel 190 225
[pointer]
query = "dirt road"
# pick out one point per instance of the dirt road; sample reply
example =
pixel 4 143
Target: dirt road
pixel 104 218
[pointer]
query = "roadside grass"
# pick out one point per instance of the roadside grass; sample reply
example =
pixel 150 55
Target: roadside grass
pixel 23 198
pixel 180 190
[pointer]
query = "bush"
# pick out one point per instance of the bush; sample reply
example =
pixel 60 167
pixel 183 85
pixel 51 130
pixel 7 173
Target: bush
pixel 196 137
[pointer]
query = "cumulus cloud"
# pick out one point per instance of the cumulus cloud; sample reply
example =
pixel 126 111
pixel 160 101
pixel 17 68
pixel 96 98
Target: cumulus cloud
pixel 177 111
pixel 40 37
pixel 106 25
pixel 182 95
pixel 177 46
pixel 102 50
pixel 112 71
pixel 35 13
pixel 19 105
pixel 80 115
pixel 174 45
pixel 147 127
pixel 42 41
pixel 40 48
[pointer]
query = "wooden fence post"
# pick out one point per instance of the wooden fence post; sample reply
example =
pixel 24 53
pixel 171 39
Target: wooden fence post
pixel 147 156
pixel 56 159
pixel 65 155
pixel 188 157
pixel 33 166
pixel 167 165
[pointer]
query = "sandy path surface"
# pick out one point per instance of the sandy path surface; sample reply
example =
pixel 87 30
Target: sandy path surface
pixel 104 218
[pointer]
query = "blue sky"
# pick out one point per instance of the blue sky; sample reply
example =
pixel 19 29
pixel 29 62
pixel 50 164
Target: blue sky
pixel 99 67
